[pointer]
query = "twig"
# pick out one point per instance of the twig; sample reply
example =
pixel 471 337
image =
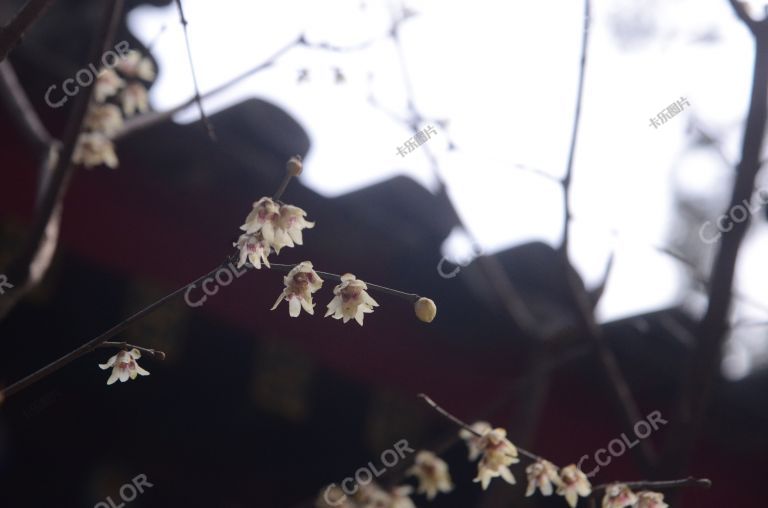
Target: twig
pixel 12 33
pixel 52 195
pixel 659 485
pixel 198 99
pixel 21 109
pixel 100 339
pixel 159 355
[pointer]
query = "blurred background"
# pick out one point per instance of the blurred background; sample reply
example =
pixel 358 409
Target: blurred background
pixel 253 408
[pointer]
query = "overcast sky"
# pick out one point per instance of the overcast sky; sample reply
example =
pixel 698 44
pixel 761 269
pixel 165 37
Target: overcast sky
pixel 504 74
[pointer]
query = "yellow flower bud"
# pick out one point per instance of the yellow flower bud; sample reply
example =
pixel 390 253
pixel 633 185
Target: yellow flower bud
pixel 425 309
pixel 294 165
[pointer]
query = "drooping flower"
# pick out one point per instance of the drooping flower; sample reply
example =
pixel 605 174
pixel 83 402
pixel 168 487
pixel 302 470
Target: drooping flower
pixel 134 99
pixel 574 484
pixel 542 474
pixel 300 283
pixel 107 84
pixel 104 118
pixel 473 441
pixel 253 248
pixel 124 366
pixel 93 149
pixel 263 218
pixel 498 454
pixel 133 65
pixel 618 495
pixel 648 499
pixel 432 473
pixel 401 497
pixel 352 300
pixel 292 221
pixel 425 309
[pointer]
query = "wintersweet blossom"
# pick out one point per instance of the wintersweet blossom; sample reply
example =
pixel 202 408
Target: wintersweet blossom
pixel 618 495
pixel 352 300
pixel 542 474
pixel 280 225
pixel 648 499
pixel 473 441
pixel 432 473
pixel 574 484
pixel 124 366
pixel 133 65
pixel 498 454
pixel 134 99
pixel 300 283
pixel 104 118
pixel 253 248
pixel 263 218
pixel 107 84
pixel 292 222
pixel 93 149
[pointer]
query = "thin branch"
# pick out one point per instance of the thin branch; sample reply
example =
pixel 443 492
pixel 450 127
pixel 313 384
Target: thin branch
pixel 21 110
pixel 741 13
pixel 659 485
pixel 100 339
pixel 198 99
pixel 20 270
pixel 11 34
pixel 158 355
pixel 566 181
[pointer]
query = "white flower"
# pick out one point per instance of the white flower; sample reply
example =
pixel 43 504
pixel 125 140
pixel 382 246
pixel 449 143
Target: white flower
pixel 292 221
pixel 134 99
pixel 263 218
pixel 300 283
pixel 542 474
pixel 648 499
pixel 401 497
pixel 253 248
pixel 498 454
pixel 473 442
pixel 574 484
pixel 618 495
pixel 133 65
pixel 93 149
pixel 432 473
pixel 107 85
pixel 104 118
pixel 124 366
pixel 351 301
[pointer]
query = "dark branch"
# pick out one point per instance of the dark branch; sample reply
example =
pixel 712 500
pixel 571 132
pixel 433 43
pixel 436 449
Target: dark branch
pixel 11 34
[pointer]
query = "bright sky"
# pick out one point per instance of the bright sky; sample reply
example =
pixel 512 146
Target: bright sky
pixel 504 74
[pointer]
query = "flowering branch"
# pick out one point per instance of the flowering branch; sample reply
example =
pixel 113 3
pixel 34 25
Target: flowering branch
pixel 28 269
pixel 661 485
pixel 12 33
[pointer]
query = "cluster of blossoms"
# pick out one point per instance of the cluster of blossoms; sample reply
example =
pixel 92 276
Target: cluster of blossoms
pixel 124 366
pixel 367 496
pixel 619 495
pixel 116 94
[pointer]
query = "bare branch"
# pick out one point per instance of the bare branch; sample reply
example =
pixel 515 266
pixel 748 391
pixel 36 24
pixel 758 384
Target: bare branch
pixel 21 109
pixel 12 33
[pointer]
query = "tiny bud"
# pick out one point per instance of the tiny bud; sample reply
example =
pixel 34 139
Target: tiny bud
pixel 159 355
pixel 294 166
pixel 425 309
